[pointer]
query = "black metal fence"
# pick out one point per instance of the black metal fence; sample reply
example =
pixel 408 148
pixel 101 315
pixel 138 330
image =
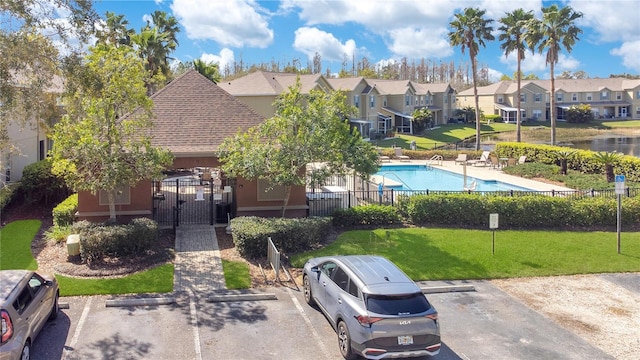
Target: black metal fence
pixel 326 202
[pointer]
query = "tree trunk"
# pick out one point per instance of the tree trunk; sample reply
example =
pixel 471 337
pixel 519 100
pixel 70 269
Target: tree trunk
pixel 609 171
pixel 518 113
pixel 287 194
pixel 552 105
pixel 475 98
pixel 112 206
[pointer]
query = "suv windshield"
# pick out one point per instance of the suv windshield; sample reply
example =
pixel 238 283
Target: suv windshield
pixel 398 305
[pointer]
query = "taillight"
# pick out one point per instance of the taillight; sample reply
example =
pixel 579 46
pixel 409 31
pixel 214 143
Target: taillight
pixel 433 317
pixel 367 320
pixel 7 326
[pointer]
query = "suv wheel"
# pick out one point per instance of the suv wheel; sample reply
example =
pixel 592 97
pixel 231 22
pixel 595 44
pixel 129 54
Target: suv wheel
pixel 306 285
pixel 55 308
pixel 26 351
pixel 344 341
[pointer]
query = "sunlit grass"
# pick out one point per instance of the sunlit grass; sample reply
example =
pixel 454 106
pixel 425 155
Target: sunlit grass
pixel 236 274
pixel 15 245
pixel 447 254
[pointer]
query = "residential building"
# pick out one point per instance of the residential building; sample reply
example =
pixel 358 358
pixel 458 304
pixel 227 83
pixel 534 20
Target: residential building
pixel 440 99
pixel 610 98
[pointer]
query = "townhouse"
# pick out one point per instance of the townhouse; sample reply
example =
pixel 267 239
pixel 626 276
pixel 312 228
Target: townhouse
pixel 383 107
pixel 611 98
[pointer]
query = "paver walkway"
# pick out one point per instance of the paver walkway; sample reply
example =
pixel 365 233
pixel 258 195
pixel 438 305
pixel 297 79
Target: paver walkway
pixel 198 266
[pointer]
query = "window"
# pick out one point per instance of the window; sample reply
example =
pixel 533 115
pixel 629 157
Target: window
pixel 23 300
pixel 638 94
pixel 123 196
pixel 446 99
pixel 341 278
pixel 384 101
pixel 356 101
pixel 328 268
pixel 372 101
pixel 398 305
pixel 537 114
pixel 618 95
pixel 407 100
pixel 574 97
pixel 589 96
pixel 559 97
pixel 604 95
pixel 523 97
pixel 276 193
pixel 537 97
pixel 500 99
pixel 353 289
pixel 638 110
pixel 524 114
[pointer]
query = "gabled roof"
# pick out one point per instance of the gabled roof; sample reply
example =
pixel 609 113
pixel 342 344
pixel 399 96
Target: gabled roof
pixel 391 87
pixel 422 88
pixel 346 84
pixel 565 85
pixel 264 83
pixel 193 115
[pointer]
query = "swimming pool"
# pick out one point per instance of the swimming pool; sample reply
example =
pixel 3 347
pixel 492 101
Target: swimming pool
pixel 422 177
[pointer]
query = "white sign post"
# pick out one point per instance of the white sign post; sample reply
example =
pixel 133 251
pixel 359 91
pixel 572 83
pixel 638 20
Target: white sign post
pixel 493 225
pixel 619 192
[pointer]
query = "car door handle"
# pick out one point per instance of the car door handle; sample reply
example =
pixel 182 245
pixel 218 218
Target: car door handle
pixel 339 301
pixel 324 284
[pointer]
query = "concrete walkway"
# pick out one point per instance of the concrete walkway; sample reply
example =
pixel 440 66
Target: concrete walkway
pixel 198 267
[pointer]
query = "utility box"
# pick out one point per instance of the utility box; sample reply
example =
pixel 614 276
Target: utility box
pixel 73 244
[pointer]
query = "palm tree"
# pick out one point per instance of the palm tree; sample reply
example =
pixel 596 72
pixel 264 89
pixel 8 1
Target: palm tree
pixel 557 28
pixel 210 70
pixel 116 31
pixel 608 159
pixel 512 37
pixel 469 30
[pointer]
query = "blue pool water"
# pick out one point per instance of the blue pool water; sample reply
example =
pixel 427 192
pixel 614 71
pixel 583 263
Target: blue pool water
pixel 421 177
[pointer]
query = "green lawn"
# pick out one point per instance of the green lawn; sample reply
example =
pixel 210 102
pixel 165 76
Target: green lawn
pixel 15 245
pixel 448 254
pixel 444 134
pixel 15 253
pixel 236 274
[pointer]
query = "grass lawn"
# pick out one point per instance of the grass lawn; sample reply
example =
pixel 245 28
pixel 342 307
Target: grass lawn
pixel 15 253
pixel 449 254
pixel 444 134
pixel 15 245
pixel 236 274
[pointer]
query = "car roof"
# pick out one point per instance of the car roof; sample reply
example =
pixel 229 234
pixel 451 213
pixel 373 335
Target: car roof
pixel 377 274
pixel 9 279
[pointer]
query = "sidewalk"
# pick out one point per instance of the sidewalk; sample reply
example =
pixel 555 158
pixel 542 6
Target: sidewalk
pixel 198 266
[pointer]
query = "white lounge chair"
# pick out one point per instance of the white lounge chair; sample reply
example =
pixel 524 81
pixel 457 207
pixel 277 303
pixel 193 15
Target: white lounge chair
pixel 461 159
pixel 399 155
pixel 482 161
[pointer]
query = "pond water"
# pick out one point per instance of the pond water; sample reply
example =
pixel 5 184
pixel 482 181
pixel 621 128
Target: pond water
pixel 622 144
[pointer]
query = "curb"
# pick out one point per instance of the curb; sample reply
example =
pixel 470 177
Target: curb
pixel 447 289
pixel 140 302
pixel 241 296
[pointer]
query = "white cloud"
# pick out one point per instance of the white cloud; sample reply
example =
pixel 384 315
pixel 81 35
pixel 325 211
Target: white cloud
pixel 233 23
pixel 495 75
pixel 415 43
pixel 224 58
pixel 310 40
pixel 629 53
pixel 612 20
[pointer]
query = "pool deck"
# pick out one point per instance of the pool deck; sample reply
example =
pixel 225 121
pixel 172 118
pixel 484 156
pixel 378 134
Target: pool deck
pixel 484 173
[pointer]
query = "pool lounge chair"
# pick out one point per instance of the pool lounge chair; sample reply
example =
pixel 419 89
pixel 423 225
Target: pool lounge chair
pixel 495 162
pixel 482 161
pixel 522 159
pixel 399 155
pixel 461 159
pixel 383 158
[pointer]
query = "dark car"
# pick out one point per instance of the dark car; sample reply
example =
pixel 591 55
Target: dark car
pixel 27 301
pixel 376 309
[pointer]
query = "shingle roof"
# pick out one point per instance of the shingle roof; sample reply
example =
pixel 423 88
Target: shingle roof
pixel 193 115
pixel 566 85
pixel 347 84
pixel 269 83
pixel 391 87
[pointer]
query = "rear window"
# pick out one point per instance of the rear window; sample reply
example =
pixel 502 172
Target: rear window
pixel 398 305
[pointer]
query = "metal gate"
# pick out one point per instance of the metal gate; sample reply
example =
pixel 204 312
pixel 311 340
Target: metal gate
pixel 189 200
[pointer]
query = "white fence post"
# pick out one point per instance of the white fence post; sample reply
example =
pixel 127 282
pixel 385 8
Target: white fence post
pixel 273 255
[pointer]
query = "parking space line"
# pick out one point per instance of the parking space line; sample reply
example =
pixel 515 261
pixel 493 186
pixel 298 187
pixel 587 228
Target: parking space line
pixel 76 334
pixel 308 321
pixel 196 330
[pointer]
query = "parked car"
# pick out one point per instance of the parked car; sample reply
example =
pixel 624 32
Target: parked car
pixel 27 301
pixel 376 309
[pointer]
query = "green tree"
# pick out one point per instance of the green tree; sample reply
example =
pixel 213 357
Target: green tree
pixel 210 70
pixel 306 128
pixel 95 147
pixel 115 30
pixel 512 36
pixel 608 160
pixel 555 30
pixel 421 119
pixel 579 114
pixel 469 31
pixel 29 60
pixel 562 156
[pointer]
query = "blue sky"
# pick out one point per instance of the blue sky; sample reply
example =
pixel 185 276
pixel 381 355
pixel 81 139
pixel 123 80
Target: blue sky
pixel 383 31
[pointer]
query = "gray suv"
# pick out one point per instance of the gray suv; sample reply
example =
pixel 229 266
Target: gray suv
pixel 27 300
pixel 376 309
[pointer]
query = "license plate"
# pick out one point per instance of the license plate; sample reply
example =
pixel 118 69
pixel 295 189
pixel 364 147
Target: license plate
pixel 405 340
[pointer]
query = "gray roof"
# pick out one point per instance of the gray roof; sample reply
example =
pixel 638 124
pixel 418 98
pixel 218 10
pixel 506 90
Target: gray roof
pixel 263 83
pixel 565 85
pixel 193 115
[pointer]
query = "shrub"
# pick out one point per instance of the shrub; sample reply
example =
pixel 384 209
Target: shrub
pixel 288 235
pixel 58 234
pixel 7 193
pixel 377 215
pixel 65 213
pixel 39 184
pixel 102 240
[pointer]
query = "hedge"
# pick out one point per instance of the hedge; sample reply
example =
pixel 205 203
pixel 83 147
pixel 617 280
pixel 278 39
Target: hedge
pixel 581 160
pixel 65 213
pixel 40 185
pixel 288 235
pixel 378 215
pixel 7 194
pixel 526 212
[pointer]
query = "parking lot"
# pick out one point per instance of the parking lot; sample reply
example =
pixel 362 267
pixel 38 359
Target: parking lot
pixel 481 324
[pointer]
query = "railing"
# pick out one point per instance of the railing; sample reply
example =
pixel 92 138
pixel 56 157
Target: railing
pixel 273 255
pixel 325 203
pixel 437 159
